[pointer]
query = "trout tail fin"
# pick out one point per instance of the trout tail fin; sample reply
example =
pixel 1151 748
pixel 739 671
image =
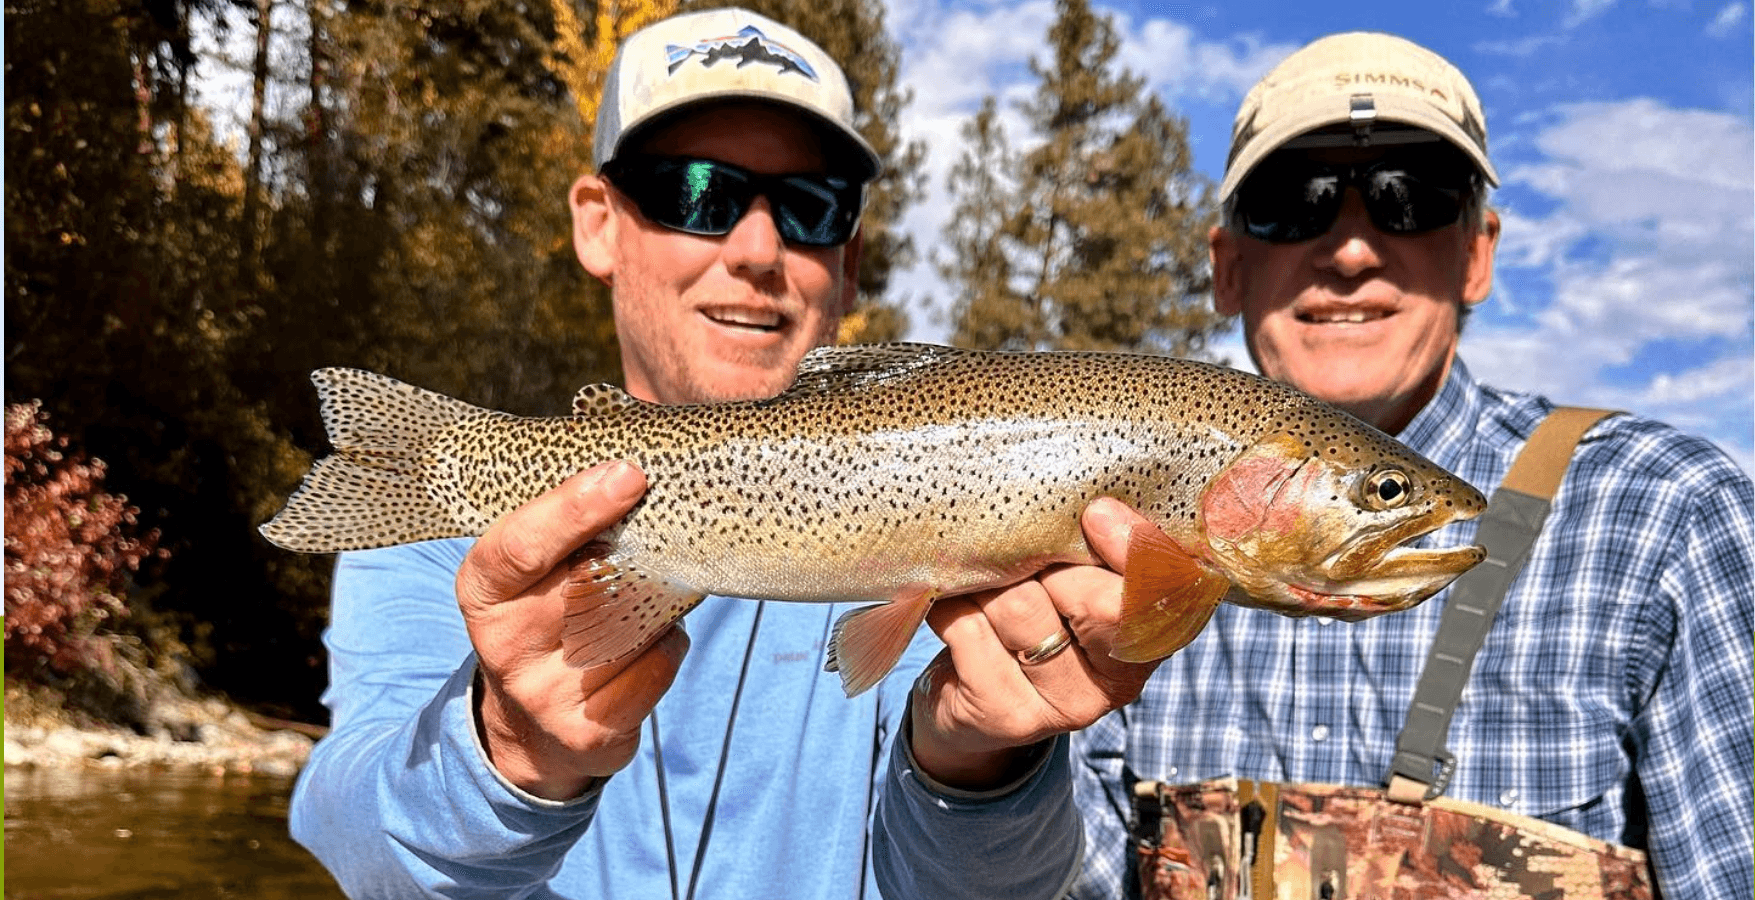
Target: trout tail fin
pixel 373 491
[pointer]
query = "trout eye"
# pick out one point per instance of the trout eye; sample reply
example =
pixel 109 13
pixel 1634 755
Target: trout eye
pixel 1386 489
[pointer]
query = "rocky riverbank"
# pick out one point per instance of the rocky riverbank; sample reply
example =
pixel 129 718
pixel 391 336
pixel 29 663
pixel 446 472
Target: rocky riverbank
pixel 205 734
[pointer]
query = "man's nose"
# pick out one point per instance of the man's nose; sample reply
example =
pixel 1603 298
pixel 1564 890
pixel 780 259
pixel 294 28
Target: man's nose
pixel 1353 246
pixel 754 244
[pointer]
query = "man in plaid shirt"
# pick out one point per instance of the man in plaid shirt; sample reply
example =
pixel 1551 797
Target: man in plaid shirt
pixel 1613 695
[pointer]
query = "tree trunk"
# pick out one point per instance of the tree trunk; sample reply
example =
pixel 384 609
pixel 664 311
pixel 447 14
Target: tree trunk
pixel 250 247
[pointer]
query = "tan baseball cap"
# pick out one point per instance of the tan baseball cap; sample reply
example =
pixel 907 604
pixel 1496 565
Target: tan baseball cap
pixel 722 54
pixel 1361 88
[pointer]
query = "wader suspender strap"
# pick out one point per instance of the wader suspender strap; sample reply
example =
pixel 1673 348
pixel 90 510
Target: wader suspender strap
pixel 1422 766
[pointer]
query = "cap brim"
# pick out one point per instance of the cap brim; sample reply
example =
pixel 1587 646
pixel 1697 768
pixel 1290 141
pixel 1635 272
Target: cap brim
pixel 866 156
pixel 1389 111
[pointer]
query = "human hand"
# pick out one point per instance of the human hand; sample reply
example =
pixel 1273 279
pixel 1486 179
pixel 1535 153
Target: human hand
pixel 980 705
pixel 549 727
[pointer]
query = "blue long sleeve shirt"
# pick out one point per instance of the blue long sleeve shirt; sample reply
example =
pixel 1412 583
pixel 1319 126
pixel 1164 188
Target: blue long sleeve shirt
pixel 400 801
pixel 1615 693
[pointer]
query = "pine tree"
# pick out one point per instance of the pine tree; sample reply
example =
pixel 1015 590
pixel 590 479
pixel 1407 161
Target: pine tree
pixel 992 313
pixel 1103 242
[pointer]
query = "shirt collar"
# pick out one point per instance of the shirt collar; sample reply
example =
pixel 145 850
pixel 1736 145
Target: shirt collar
pixel 1442 430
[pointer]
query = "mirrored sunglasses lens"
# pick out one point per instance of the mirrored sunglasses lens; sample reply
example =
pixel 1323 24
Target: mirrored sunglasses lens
pixel 1287 208
pixel 1404 203
pixel 816 210
pixel 703 198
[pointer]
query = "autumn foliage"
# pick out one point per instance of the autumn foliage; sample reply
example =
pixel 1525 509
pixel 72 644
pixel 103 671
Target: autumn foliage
pixel 71 548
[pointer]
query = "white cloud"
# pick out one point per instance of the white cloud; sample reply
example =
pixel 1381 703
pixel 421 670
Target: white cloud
pixel 1704 385
pixel 966 54
pixel 1655 220
pixel 1584 10
pixel 1647 254
pixel 1643 134
pixel 1729 21
pixel 1176 63
pixel 1518 48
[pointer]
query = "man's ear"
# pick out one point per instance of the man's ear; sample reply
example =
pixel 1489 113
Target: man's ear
pixel 594 225
pixel 1483 246
pixel 1223 255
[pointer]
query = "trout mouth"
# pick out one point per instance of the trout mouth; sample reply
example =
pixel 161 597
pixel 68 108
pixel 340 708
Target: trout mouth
pixel 1401 579
pixel 1374 573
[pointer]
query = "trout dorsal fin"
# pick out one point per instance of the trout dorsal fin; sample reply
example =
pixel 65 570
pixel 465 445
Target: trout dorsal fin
pixel 864 365
pixel 601 399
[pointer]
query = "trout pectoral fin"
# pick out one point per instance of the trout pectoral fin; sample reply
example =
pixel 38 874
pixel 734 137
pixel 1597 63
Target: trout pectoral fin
pixel 868 641
pixel 1167 597
pixel 615 608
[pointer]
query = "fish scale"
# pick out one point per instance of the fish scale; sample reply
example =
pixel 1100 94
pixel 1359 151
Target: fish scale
pixel 899 473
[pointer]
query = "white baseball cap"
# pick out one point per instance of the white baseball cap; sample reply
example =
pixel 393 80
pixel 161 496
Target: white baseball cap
pixel 1358 88
pixel 722 54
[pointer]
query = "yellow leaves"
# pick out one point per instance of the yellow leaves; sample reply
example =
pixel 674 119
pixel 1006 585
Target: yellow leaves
pixel 852 325
pixel 582 60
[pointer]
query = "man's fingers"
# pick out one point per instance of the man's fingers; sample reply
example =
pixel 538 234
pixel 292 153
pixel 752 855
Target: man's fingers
pixel 1023 618
pixel 521 548
pixel 1108 524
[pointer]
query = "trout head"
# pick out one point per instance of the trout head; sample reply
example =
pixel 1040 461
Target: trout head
pixel 1316 522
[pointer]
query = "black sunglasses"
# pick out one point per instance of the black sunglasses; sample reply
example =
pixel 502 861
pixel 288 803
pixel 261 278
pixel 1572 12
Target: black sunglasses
pixel 704 196
pixel 1291 198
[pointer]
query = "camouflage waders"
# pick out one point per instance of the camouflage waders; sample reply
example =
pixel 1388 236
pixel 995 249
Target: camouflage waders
pixel 1229 839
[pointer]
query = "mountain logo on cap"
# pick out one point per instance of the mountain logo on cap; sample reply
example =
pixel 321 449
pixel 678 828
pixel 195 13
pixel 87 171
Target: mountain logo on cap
pixel 749 45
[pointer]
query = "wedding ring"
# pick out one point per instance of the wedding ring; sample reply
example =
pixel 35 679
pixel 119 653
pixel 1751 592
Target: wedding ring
pixel 1045 649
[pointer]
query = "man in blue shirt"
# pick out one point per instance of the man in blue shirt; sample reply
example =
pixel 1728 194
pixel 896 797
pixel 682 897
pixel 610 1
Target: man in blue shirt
pixel 1613 693
pixel 468 759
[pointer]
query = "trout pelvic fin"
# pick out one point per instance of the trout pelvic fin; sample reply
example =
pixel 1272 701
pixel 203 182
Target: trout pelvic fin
pixel 1167 597
pixel 868 641
pixel 614 609
pixel 373 491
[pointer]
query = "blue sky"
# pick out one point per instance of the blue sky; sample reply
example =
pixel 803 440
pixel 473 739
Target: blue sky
pixel 1621 131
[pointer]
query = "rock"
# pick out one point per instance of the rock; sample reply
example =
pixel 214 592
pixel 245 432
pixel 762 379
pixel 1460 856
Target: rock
pixel 65 744
pixel 202 734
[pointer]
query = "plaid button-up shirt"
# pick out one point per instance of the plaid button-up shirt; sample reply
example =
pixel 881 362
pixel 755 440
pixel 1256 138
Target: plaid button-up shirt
pixel 1613 695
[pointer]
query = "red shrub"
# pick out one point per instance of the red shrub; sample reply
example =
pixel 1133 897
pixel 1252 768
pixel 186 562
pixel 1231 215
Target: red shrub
pixel 70 548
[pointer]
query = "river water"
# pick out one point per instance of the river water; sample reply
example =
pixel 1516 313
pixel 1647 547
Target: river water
pixel 144 835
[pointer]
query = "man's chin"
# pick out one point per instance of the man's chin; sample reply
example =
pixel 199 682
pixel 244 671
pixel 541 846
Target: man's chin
pixel 743 380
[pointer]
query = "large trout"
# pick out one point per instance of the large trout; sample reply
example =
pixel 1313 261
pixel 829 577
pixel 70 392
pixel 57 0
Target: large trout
pixel 900 473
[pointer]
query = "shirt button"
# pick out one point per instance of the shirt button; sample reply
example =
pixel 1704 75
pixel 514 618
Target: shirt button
pixel 1171 773
pixel 1324 620
pixel 1508 797
pixel 1319 733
